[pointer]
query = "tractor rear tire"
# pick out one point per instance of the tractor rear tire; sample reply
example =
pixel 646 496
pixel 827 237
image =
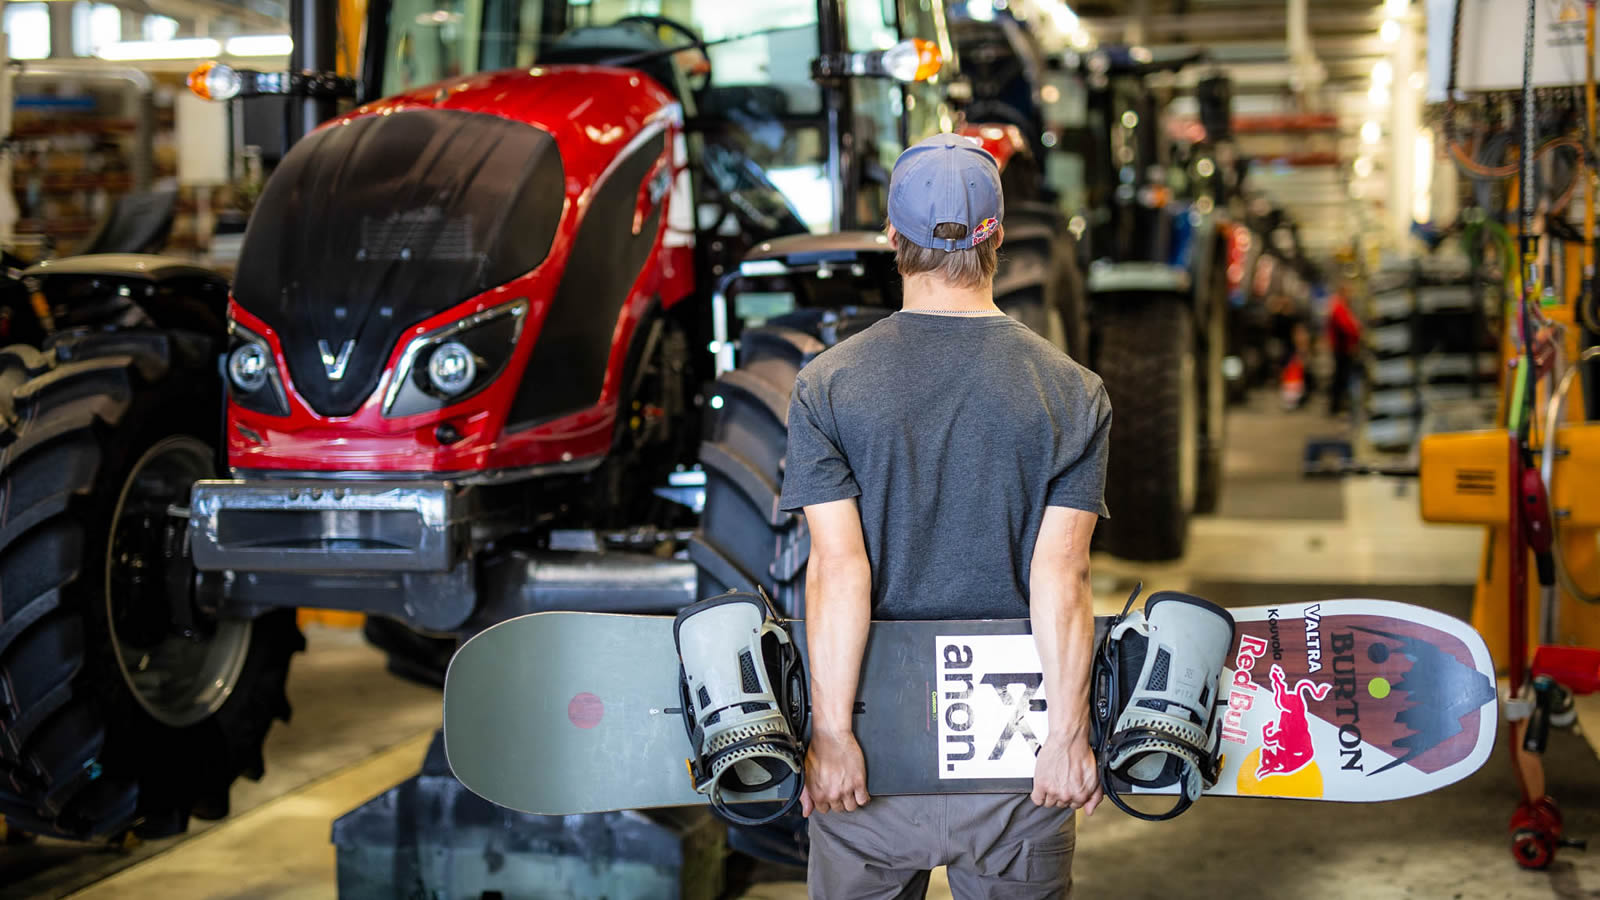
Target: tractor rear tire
pixel 1023 290
pixel 101 439
pixel 1146 359
pixel 1072 299
pixel 1214 397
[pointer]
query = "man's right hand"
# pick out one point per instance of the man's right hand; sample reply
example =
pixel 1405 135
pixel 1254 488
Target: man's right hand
pixel 836 775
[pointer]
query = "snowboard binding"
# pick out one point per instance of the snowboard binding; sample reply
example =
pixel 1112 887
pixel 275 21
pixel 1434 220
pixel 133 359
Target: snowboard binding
pixel 746 703
pixel 1154 698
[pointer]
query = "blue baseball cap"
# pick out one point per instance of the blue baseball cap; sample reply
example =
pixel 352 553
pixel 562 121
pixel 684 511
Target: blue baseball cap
pixel 945 178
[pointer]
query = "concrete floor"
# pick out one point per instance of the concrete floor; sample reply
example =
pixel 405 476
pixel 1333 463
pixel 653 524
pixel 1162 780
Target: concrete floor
pixel 358 730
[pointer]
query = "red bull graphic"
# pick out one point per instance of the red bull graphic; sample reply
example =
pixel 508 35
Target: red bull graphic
pixel 1242 690
pixel 1286 742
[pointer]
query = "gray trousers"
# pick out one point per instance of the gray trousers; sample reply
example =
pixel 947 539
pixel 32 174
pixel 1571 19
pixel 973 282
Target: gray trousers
pixel 993 845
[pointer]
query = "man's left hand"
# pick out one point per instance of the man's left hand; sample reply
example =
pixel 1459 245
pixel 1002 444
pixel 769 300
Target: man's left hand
pixel 1065 775
pixel 836 775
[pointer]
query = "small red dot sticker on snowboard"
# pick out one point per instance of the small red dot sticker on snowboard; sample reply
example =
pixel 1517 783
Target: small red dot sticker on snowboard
pixel 585 710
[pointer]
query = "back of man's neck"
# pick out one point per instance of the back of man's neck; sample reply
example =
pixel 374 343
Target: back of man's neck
pixel 932 295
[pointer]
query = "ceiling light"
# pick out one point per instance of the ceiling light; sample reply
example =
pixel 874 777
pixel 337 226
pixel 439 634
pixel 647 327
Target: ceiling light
pixel 1378 95
pixel 1382 72
pixel 1371 132
pixel 181 48
pixel 1395 8
pixel 1065 19
pixel 1389 31
pixel 1363 166
pixel 259 45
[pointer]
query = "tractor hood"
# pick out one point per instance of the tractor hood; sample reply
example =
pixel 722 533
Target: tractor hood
pixel 411 206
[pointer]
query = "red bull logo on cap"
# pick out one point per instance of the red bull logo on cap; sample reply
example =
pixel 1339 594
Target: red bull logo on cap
pixel 1286 745
pixel 984 229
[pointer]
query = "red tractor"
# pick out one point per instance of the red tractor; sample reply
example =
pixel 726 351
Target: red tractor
pixel 518 336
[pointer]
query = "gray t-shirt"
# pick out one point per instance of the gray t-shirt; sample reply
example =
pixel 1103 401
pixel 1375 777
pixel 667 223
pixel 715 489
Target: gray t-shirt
pixel 954 434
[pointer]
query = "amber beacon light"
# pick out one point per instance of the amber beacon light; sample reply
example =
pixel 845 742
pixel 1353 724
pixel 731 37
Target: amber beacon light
pixel 913 60
pixel 212 80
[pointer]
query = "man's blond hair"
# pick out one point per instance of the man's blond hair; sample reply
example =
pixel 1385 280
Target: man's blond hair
pixel 967 267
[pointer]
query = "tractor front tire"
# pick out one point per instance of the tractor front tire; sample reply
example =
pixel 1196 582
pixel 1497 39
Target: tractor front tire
pixel 116 713
pixel 1146 359
pixel 745 541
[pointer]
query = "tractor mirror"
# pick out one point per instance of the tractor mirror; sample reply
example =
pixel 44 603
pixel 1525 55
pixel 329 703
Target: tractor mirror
pixel 217 81
pixel 908 61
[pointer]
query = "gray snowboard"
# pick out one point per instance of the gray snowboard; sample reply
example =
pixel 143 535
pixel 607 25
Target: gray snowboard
pixel 1353 700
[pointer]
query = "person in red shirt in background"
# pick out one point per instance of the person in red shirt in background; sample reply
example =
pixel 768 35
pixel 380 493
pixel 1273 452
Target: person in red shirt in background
pixel 1344 340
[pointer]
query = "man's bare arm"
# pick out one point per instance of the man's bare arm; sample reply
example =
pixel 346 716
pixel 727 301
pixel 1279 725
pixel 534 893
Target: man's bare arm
pixel 1062 614
pixel 838 614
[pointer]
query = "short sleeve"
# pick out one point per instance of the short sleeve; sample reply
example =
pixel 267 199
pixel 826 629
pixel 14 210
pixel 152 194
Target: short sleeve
pixel 815 470
pixel 1080 480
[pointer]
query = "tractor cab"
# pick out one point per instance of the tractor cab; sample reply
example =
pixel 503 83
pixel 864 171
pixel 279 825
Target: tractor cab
pixel 782 147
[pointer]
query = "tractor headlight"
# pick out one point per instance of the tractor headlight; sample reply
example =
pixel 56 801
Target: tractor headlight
pixel 247 367
pixel 452 368
pixel 253 380
pixel 452 363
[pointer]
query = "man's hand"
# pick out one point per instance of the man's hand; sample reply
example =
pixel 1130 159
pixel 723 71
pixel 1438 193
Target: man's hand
pixel 1065 775
pixel 836 775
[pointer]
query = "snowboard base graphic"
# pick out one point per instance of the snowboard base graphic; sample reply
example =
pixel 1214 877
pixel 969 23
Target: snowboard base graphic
pixel 1348 700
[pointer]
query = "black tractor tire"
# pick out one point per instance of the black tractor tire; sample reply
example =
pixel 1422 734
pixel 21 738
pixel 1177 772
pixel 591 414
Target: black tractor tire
pixel 1145 356
pixel 744 540
pixel 1214 395
pixel 411 655
pixel 82 756
pixel 1039 282
pixel 1072 299
pixel 1024 290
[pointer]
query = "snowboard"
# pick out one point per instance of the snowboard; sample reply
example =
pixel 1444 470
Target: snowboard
pixel 1348 700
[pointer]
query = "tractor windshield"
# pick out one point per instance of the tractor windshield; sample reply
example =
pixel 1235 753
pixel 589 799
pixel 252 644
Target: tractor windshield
pixel 752 86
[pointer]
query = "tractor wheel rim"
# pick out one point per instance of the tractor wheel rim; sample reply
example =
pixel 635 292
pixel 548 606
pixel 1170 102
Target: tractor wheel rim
pixel 179 679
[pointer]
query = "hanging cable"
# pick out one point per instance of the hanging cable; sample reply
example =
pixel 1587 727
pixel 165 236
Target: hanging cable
pixel 1585 155
pixel 1554 411
pixel 1472 167
pixel 1527 378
